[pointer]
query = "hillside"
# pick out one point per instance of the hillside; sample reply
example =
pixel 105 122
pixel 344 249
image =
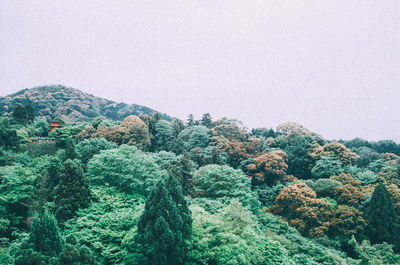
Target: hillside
pixel 72 105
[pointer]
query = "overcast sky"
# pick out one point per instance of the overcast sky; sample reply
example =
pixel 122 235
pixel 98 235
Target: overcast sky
pixel 333 66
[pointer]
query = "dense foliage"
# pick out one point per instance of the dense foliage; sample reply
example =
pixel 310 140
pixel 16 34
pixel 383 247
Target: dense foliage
pixel 129 188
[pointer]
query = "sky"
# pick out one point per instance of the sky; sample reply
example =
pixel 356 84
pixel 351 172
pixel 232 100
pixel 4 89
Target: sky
pixel 332 66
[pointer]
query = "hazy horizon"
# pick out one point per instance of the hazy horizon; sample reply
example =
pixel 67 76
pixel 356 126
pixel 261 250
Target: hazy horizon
pixel 332 67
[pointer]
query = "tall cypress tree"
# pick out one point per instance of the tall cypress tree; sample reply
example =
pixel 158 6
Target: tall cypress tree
pixel 381 217
pixel 19 113
pixel 165 224
pixel 30 112
pixel 44 244
pixel 45 236
pixel 72 191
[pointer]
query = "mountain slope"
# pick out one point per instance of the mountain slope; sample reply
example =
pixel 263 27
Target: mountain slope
pixel 71 104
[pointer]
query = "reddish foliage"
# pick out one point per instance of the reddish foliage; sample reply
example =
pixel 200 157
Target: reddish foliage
pixel 269 167
pixel 347 221
pixel 348 194
pixel 346 178
pixel 299 205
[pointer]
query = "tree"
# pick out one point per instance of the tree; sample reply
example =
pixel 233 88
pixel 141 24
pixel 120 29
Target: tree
pixel 229 130
pixel 190 120
pixel 298 150
pixel 336 150
pixel 195 136
pixel 30 113
pixel 381 217
pixel 238 151
pixel 381 254
pixel 75 254
pixel 45 236
pixel 44 244
pixel 206 120
pixel 110 133
pixel 8 136
pixel 323 187
pixel 88 148
pixel 326 166
pixel 164 137
pixel 182 170
pixel 367 155
pixel 19 113
pixel 165 224
pixel 42 127
pixel 349 195
pixel 262 132
pixel 152 129
pixel 347 221
pixel 386 146
pixel 268 167
pixel 126 168
pixel 72 191
pixel 135 132
pixel 289 128
pixel 231 237
pixel 213 181
pixel 86 133
pixel 48 170
pixel 299 204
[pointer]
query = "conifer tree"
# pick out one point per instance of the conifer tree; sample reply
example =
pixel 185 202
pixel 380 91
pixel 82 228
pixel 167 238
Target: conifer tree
pixel 72 191
pixel 381 217
pixel 45 236
pixel 30 112
pixel 19 113
pixel 206 120
pixel 165 224
pixel 190 120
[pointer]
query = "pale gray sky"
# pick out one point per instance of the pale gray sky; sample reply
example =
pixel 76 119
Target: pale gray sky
pixel 333 66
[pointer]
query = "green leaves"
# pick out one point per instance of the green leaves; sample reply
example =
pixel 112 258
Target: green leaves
pixel 72 191
pixel 45 236
pixel 326 167
pixel 126 168
pixel 381 217
pixel 165 224
pixel 88 148
pixel 230 236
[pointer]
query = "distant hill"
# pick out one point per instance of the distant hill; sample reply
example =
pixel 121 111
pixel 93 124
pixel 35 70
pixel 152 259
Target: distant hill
pixel 71 104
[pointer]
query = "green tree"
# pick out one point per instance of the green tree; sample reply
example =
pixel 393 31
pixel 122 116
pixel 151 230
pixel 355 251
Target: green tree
pixel 206 120
pixel 45 236
pixel 326 167
pixel 163 136
pixel 8 136
pixel 72 191
pixel 30 112
pixel 135 132
pixel 88 148
pixel 231 237
pixel 75 254
pixel 42 127
pixel 126 168
pixel 48 169
pixel 165 224
pixel 44 244
pixel 19 113
pixel 381 217
pixel 195 136
pixel 190 120
pixel 298 152
pixel 214 181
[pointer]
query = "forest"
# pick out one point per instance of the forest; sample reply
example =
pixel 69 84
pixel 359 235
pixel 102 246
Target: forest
pixel 150 189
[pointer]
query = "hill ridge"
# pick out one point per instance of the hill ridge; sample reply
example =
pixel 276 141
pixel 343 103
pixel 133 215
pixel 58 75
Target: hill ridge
pixel 71 104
